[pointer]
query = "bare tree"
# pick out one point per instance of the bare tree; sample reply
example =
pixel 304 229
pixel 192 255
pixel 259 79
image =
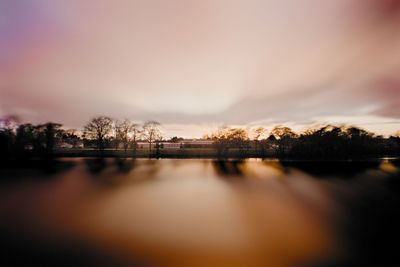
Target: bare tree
pixel 135 132
pixel 123 129
pixel 99 128
pixel 151 132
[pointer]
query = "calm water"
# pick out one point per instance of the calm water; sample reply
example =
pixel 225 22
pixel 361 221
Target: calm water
pixel 84 212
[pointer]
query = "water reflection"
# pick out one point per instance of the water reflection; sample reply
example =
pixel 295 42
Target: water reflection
pixel 191 212
pixel 229 168
pixel 95 165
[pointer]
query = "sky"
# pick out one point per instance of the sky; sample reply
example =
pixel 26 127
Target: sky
pixel 202 64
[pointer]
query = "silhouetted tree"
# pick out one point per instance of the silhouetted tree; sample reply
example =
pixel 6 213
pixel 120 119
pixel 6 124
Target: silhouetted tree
pixel 393 144
pixel 52 134
pixel 239 139
pixel 176 139
pixel 318 142
pixel 258 132
pixel 151 132
pixel 282 131
pixel 271 143
pixel 226 138
pixel 135 131
pixel 70 136
pixel 284 136
pixel 8 127
pixel 123 129
pixel 9 123
pixel 24 138
pixel 40 138
pixel 340 142
pixel 99 129
pixel 221 142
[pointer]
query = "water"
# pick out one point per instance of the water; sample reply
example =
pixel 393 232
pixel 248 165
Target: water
pixel 200 213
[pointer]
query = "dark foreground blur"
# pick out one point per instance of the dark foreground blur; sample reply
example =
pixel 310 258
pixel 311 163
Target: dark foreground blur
pixel 89 212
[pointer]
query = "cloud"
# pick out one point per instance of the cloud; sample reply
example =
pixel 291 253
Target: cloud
pixel 200 62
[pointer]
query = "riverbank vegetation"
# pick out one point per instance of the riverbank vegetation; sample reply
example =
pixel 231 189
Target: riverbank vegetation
pixel 106 137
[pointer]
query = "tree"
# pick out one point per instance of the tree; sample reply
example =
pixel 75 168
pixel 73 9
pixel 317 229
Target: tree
pixel 8 127
pixel 98 129
pixel 9 123
pixel 258 132
pixel 282 131
pixel 71 137
pixel 122 132
pixel 238 138
pixel 52 133
pixel 285 136
pixel 176 139
pixel 324 142
pixel 24 139
pixel 226 138
pixel 151 132
pixel 221 142
pixel 41 137
pixel 135 132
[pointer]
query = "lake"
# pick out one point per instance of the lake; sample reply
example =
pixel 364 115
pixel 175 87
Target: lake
pixel 198 212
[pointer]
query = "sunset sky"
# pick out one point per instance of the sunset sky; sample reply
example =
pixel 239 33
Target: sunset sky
pixel 197 65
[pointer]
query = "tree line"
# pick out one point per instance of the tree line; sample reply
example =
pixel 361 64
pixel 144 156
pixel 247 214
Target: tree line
pixel 22 140
pixel 329 141
pixel 325 142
